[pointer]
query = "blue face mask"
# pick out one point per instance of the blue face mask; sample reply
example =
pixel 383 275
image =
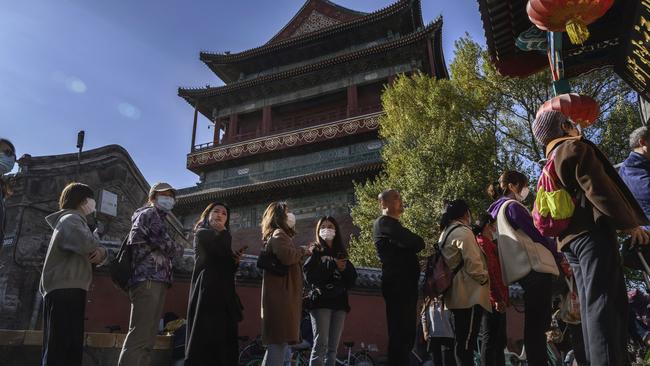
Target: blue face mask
pixel 6 163
pixel 165 203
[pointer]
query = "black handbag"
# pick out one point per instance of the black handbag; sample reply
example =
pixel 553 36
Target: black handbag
pixel 269 263
pixel 121 267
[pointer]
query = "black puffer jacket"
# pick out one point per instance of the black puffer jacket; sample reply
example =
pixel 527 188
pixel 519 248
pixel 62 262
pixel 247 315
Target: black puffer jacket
pixel 321 274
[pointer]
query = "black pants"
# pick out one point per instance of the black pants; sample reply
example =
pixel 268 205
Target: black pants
pixel 596 265
pixel 493 338
pixel 577 344
pixel 401 318
pixel 63 327
pixel 538 288
pixel 442 351
pixel 467 323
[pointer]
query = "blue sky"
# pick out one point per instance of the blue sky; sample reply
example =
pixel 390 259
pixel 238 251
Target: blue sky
pixel 112 68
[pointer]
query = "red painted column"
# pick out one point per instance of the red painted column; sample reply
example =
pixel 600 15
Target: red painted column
pixel 232 126
pixel 267 119
pixel 353 100
pixel 430 57
pixel 217 129
pixel 196 115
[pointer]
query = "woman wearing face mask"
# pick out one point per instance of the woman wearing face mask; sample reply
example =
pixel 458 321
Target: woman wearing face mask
pixel 493 325
pixel 214 308
pixel 7 162
pixel 328 277
pixel 153 250
pixel 281 295
pixel 526 257
pixel 469 295
pixel 67 274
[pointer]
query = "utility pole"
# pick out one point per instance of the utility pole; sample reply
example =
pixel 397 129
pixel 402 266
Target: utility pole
pixel 80 145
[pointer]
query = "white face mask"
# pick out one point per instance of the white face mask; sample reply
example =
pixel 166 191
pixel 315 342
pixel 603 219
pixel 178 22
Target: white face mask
pixel 523 194
pixel 291 220
pixel 165 203
pixel 88 207
pixel 327 234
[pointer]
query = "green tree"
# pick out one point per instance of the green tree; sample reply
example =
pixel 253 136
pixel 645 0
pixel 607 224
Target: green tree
pixel 449 139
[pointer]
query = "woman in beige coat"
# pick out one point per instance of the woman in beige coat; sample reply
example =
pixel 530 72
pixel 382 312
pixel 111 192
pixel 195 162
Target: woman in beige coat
pixel 469 295
pixel 281 295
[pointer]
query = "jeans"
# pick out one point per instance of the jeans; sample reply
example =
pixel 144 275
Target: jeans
pixel 538 288
pixel 147 300
pixel 401 319
pixel 467 323
pixel 327 326
pixel 442 351
pixel 275 354
pixel 493 338
pixel 63 327
pixel 596 265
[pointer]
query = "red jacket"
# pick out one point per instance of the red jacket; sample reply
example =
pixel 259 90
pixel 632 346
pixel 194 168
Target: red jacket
pixel 498 290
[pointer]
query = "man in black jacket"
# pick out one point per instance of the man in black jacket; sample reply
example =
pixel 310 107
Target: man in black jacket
pixel 397 248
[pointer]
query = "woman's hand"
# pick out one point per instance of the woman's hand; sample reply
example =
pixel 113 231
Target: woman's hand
pixel 566 267
pixel 639 236
pixel 97 256
pixel 340 264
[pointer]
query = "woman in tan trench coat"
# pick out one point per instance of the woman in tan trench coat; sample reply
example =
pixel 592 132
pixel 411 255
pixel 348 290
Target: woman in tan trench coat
pixel 281 295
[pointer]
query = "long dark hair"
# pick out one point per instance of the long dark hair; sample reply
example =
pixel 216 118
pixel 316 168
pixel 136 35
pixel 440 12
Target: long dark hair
pixel 337 243
pixel 453 210
pixel 204 219
pixel 499 189
pixel 275 217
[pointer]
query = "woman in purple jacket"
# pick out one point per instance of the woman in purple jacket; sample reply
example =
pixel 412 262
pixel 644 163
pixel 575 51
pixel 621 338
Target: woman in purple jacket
pixel 508 193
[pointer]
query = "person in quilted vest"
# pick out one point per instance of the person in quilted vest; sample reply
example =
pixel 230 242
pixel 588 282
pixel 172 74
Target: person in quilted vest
pixel 590 242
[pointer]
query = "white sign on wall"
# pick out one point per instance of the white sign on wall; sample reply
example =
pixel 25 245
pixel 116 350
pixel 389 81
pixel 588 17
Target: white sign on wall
pixel 108 203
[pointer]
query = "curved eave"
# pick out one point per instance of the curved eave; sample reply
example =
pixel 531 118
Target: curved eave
pixel 433 28
pixel 213 194
pixel 212 60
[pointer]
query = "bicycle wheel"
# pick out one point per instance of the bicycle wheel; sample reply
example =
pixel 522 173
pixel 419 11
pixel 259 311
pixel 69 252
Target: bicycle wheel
pixel 255 362
pixel 362 359
pixel 252 352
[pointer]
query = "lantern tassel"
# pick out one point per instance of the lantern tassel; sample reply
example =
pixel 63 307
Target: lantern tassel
pixel 577 31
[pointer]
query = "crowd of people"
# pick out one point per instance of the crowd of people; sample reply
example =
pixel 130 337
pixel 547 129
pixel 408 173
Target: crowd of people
pixel 505 245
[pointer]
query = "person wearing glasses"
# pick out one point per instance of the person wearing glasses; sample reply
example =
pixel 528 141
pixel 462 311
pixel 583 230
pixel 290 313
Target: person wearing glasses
pixel 7 162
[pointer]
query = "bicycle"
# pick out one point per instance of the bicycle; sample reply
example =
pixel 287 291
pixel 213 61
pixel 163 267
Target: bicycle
pixel 360 358
pixel 252 353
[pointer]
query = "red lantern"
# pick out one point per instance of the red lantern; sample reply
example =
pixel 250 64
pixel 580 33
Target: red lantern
pixel 571 16
pixel 581 109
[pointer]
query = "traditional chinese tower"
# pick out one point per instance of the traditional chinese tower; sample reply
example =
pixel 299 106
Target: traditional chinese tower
pixel 297 117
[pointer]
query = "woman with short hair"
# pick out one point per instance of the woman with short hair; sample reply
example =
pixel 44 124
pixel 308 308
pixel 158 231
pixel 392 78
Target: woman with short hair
pixel 67 274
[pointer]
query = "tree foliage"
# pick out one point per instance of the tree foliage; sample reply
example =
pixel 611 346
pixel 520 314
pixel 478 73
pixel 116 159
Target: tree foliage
pixel 448 139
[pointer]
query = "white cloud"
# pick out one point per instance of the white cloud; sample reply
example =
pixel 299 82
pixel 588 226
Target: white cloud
pixel 72 83
pixel 129 110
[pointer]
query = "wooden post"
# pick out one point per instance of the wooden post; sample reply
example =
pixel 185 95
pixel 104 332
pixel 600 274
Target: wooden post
pixel 430 57
pixel 353 100
pixel 196 115
pixel 232 126
pixel 266 120
pixel 217 130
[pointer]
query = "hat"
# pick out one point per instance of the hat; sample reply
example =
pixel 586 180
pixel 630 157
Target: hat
pixel 548 127
pixel 161 187
pixel 8 143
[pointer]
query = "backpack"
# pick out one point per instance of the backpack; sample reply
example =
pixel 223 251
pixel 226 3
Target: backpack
pixel 554 206
pixel 437 275
pixel 121 267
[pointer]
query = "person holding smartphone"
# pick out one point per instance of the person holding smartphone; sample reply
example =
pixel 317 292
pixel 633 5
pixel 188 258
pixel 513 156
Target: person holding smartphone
pixel 214 309
pixel 328 277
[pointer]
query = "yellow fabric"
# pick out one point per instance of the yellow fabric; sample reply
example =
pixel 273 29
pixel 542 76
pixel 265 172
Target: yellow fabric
pixel 557 204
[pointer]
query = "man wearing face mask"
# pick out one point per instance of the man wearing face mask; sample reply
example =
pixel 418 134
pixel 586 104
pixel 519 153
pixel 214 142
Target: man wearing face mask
pixel 635 170
pixel 7 162
pixel 397 248
pixel 590 242
pixel 153 250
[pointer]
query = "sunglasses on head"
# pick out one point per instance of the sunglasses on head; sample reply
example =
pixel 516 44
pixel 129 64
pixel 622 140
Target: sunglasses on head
pixel 9 152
